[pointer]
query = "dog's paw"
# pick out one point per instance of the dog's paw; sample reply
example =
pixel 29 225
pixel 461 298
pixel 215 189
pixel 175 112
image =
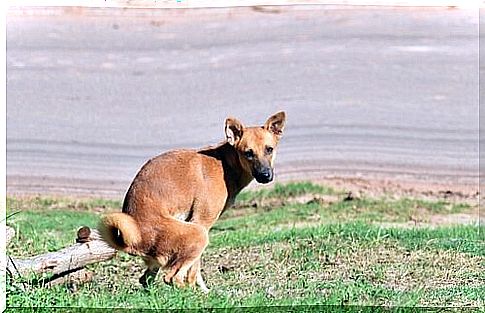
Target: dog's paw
pixel 167 279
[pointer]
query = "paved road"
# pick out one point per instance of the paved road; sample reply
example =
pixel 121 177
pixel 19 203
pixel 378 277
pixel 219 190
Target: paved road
pixel 369 92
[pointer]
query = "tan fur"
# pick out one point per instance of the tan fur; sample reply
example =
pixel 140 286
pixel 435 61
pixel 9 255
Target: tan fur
pixel 199 184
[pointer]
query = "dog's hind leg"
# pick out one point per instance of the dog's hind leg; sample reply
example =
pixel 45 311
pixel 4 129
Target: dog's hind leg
pixel 192 275
pixel 195 277
pixel 191 257
pixel 179 278
pixel 173 270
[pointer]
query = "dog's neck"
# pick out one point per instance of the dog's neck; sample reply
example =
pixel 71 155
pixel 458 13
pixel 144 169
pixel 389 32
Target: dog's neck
pixel 231 165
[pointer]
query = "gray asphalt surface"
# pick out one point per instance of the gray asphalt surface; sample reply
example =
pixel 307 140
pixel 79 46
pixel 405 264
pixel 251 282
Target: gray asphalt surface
pixel 369 92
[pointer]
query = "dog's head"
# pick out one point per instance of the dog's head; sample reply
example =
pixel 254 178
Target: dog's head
pixel 256 146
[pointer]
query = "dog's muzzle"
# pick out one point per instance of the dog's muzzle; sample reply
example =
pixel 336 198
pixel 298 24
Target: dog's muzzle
pixel 263 177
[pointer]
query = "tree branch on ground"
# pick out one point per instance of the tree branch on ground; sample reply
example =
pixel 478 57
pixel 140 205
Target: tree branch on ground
pixel 66 264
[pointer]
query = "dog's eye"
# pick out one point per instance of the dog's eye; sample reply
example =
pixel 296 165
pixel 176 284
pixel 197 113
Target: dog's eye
pixel 269 150
pixel 249 154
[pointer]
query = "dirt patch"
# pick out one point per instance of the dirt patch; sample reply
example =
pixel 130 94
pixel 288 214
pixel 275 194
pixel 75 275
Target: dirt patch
pixel 393 188
pixel 274 202
pixel 436 220
pixel 453 219
pixel 424 190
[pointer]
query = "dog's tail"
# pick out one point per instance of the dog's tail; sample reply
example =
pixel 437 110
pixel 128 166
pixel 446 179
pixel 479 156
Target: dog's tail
pixel 121 232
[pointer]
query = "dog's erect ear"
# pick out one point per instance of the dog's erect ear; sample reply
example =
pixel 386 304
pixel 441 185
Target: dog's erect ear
pixel 276 123
pixel 234 130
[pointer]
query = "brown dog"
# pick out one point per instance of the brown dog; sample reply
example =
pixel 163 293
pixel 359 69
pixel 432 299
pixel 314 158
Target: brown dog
pixel 195 186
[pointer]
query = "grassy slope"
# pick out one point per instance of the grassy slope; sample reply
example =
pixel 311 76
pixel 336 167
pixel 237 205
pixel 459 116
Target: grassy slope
pixel 293 244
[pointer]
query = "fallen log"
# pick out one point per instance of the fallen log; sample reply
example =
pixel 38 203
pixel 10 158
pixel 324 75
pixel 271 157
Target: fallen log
pixel 89 249
pixel 73 279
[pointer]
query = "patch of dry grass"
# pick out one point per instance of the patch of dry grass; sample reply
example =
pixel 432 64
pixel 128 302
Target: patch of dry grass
pixel 278 268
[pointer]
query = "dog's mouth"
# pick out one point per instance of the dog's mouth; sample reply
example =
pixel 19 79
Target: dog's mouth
pixel 264 177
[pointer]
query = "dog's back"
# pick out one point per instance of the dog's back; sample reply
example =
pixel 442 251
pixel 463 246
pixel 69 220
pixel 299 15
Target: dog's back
pixel 175 184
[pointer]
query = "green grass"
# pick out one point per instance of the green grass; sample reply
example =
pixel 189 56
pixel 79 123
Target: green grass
pixel 285 191
pixel 295 244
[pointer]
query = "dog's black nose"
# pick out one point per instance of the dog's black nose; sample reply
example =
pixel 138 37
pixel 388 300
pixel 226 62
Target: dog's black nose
pixel 264 177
